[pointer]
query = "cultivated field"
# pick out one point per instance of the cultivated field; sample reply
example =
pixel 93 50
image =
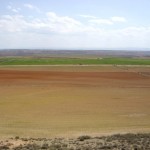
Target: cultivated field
pixel 38 60
pixel 48 101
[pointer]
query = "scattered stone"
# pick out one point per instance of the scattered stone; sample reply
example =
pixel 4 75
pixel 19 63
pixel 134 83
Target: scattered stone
pixel 114 142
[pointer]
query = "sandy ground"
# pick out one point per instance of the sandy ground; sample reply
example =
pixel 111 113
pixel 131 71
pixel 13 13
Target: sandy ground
pixel 67 101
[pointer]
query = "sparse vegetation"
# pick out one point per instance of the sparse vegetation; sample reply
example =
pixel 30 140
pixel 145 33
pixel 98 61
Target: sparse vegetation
pixel 84 137
pixel 114 142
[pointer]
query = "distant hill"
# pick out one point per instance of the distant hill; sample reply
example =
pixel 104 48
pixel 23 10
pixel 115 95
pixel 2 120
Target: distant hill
pixel 73 53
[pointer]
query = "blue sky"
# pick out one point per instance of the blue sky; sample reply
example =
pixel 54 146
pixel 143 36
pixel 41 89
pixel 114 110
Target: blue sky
pixel 75 24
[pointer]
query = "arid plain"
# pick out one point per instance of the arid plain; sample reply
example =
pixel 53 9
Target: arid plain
pixel 49 101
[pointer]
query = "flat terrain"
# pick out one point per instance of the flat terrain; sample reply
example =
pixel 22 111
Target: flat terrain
pixel 48 101
pixel 37 60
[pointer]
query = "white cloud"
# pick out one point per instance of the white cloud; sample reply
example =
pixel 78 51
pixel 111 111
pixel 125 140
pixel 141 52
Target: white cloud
pixel 13 23
pixel 32 7
pixel 101 21
pixel 62 24
pixel 61 19
pixel 88 16
pixel 29 6
pixel 111 21
pixel 51 23
pixel 15 10
pixel 118 19
pixel 9 7
pixel 53 29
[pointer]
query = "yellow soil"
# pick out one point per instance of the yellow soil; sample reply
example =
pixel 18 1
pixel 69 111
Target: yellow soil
pixel 72 100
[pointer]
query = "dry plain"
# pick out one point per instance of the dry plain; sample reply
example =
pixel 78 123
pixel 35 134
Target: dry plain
pixel 48 101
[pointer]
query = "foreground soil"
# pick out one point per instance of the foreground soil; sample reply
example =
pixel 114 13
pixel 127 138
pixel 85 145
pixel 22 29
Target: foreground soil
pixel 113 142
pixel 67 101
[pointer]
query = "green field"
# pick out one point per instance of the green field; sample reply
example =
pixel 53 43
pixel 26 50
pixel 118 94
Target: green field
pixel 72 61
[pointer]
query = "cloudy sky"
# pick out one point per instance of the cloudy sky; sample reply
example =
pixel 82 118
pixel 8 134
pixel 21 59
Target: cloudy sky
pixel 75 24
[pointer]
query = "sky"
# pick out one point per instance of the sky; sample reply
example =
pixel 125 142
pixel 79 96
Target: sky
pixel 75 24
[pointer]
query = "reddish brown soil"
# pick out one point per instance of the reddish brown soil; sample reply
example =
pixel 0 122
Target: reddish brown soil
pixel 17 75
pixel 73 101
